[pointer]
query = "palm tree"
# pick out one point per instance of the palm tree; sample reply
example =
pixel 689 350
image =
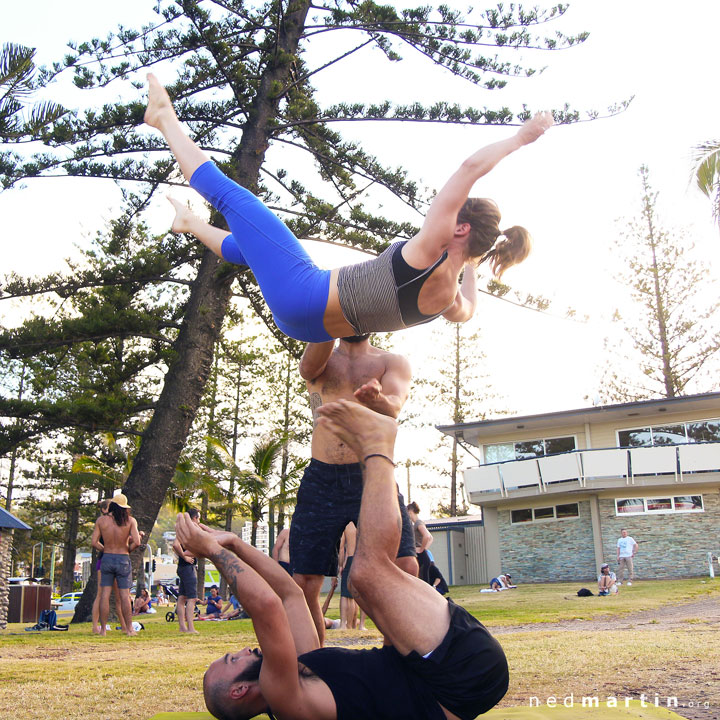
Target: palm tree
pixel 706 169
pixel 17 84
pixel 253 486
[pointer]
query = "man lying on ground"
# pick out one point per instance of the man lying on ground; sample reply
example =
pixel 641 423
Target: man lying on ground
pixel 442 663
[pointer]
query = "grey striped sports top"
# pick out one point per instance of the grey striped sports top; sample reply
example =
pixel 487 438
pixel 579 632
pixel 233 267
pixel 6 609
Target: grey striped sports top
pixel 380 295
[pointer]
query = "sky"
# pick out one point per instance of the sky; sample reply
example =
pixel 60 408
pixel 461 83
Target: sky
pixel 571 189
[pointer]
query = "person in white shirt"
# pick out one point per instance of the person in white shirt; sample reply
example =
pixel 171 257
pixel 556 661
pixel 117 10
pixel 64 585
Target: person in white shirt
pixel 626 549
pixel 607 580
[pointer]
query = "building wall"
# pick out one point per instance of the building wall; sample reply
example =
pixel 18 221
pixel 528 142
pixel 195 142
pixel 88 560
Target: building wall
pixel 670 545
pixel 547 551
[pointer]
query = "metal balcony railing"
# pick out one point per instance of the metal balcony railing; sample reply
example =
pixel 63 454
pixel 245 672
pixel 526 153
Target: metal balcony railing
pixel 586 466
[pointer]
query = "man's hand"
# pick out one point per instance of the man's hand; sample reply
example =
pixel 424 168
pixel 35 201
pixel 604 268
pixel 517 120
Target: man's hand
pixel 193 538
pixel 225 538
pixel 369 392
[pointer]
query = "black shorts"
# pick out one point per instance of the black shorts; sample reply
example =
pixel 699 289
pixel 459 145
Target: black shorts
pixel 467 673
pixel 285 566
pixel 344 589
pixel 328 499
pixel 188 581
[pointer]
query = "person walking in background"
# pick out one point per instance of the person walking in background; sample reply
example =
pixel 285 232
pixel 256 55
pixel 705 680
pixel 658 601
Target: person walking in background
pixel 626 550
pixel 187 593
pixel 423 540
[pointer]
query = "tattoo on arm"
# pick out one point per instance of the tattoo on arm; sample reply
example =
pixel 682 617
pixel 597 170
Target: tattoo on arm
pixel 230 566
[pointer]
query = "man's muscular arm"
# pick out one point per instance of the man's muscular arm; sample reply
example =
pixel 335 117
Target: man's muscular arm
pixel 293 599
pixel 388 395
pixel 315 359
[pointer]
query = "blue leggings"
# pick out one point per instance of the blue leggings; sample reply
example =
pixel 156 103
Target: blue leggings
pixel 294 287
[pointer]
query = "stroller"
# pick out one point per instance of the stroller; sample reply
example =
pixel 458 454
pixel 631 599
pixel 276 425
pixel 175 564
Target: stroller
pixel 173 591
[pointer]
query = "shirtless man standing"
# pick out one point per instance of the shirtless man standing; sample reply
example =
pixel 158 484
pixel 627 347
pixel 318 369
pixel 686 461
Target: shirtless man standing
pixel 120 536
pixel 331 488
pixel 442 664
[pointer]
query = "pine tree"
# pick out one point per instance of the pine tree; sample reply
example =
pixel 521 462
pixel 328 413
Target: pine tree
pixel 672 331
pixel 243 84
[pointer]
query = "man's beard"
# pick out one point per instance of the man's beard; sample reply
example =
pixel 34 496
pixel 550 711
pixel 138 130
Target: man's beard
pixel 252 671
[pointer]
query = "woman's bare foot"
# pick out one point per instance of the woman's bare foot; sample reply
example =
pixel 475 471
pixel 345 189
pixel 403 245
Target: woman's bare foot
pixel 363 430
pixel 184 217
pixel 159 107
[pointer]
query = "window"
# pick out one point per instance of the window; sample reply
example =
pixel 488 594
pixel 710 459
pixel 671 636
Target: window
pixel 567 511
pixel 521 516
pixel 658 504
pixel 632 505
pixel 557 512
pixel 501 452
pixel 700 431
pixel 642 506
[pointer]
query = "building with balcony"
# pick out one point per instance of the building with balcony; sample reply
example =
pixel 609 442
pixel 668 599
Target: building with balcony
pixel 556 489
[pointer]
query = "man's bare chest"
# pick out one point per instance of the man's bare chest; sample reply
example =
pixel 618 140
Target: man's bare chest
pixel 343 376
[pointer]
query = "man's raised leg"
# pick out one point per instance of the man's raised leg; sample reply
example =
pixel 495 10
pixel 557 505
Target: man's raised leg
pixel 410 613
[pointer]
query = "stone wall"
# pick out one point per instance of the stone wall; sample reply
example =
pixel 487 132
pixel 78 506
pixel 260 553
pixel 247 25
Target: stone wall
pixel 6 537
pixel 671 545
pixel 550 550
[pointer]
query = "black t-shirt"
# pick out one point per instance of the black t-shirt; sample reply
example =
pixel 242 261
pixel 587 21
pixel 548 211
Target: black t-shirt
pixel 434 573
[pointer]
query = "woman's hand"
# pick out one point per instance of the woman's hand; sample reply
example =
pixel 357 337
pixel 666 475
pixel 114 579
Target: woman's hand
pixel 535 127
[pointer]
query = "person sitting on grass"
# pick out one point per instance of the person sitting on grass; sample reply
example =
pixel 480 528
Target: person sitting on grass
pixel 607 581
pixel 233 609
pixel 502 582
pixel 142 602
pixel 441 663
pixel 214 603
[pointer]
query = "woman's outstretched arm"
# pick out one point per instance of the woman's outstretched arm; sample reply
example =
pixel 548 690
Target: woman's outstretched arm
pixel 441 219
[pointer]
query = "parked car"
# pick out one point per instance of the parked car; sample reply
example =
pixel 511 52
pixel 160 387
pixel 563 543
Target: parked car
pixel 67 602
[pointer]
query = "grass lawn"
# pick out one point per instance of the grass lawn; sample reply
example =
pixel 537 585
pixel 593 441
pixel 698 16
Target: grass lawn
pixel 76 675
pixel 549 603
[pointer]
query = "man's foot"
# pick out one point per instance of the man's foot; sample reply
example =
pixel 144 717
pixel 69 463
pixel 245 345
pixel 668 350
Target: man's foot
pixel 184 217
pixel 363 430
pixel 159 107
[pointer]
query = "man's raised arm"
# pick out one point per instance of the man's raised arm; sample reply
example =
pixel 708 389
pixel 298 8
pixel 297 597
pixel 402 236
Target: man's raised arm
pixel 315 359
pixel 301 623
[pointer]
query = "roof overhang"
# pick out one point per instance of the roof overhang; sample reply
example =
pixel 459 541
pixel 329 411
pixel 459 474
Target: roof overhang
pixel 8 521
pixel 476 432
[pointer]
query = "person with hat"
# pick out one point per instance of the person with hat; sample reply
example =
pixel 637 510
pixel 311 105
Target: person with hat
pixel 607 580
pixel 120 536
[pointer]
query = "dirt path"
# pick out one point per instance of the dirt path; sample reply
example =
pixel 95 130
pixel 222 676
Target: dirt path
pixel 667 617
pixel 701 615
